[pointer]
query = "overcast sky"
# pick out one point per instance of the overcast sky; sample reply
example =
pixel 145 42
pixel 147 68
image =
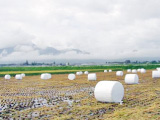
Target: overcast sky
pixel 106 29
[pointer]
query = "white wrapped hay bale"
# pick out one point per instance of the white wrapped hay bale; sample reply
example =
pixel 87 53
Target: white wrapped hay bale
pixel 105 71
pixel 158 69
pixel 129 70
pixel 86 72
pixel 155 74
pixel 138 70
pixel 143 70
pixel 7 77
pixel 119 73
pixel 78 73
pixel 110 70
pixel 92 76
pixel 49 75
pixel 18 77
pixel 109 91
pixel 23 75
pixel 71 76
pixel 81 72
pixel 134 71
pixel 46 76
pixel 131 79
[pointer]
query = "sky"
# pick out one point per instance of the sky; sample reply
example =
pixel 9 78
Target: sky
pixel 79 29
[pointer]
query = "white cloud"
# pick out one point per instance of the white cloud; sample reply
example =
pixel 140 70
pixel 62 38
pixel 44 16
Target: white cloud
pixel 110 29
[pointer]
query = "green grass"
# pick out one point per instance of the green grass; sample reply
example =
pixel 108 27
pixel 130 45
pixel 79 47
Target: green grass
pixel 124 67
pixel 68 69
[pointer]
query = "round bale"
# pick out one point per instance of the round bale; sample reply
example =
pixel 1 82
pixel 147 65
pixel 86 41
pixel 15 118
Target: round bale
pixel 143 70
pixel 119 73
pixel 110 70
pixel 86 72
pixel 134 71
pixel 7 77
pixel 71 76
pixel 109 91
pixel 23 75
pixel 155 74
pixel 18 77
pixel 78 73
pixel 158 69
pixel 129 70
pixel 46 76
pixel 131 79
pixel 92 76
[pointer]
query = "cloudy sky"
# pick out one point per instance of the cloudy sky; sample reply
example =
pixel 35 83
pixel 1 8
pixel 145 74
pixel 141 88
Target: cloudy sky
pixel 79 29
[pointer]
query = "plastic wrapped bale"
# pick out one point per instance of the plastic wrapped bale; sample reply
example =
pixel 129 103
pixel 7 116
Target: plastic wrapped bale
pixel 81 72
pixel 7 77
pixel 119 73
pixel 158 69
pixel 109 91
pixel 23 75
pixel 129 70
pixel 46 76
pixel 71 76
pixel 131 79
pixel 138 70
pixel 110 70
pixel 105 70
pixel 134 71
pixel 78 73
pixel 49 75
pixel 18 77
pixel 86 72
pixel 155 74
pixel 143 70
pixel 92 76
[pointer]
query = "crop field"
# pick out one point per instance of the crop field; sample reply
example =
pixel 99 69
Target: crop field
pixel 63 99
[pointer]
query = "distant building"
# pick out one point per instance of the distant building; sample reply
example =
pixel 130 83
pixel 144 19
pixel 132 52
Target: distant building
pixel 67 64
pixel 127 61
pixel 26 63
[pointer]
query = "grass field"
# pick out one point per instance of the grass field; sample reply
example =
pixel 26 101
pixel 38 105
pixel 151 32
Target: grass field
pixel 30 71
pixel 74 100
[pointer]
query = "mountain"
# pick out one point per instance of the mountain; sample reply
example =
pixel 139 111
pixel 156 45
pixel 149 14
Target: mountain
pixel 46 51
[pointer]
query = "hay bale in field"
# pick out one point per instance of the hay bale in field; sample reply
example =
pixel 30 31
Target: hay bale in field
pixel 158 69
pixel 71 76
pixel 109 91
pixel 81 72
pixel 23 75
pixel 18 77
pixel 138 70
pixel 155 74
pixel 142 70
pixel 46 76
pixel 129 70
pixel 7 77
pixel 86 72
pixel 119 73
pixel 134 71
pixel 110 70
pixel 78 73
pixel 131 79
pixel 105 70
pixel 92 76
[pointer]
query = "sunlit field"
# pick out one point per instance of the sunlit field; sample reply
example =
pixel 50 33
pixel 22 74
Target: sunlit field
pixel 60 98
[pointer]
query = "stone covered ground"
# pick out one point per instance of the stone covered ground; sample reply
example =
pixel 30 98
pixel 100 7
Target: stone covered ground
pixel 62 99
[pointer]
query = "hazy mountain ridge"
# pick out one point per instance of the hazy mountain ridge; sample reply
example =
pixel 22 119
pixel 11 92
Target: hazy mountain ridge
pixel 47 51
